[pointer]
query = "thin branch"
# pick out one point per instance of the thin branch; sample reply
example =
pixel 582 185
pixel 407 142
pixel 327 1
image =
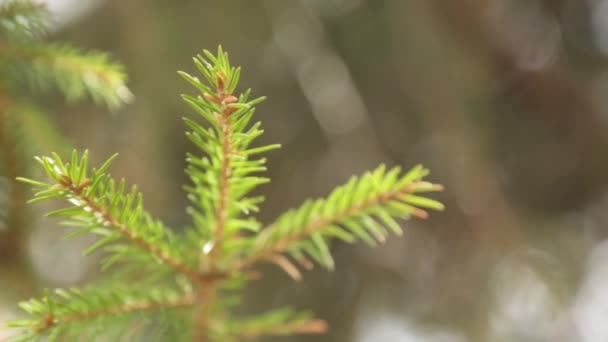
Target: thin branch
pixel 66 67
pixel 60 57
pixel 167 259
pixel 204 300
pixel 51 321
pixel 221 212
pixel 319 224
pixel 208 293
pixel 286 265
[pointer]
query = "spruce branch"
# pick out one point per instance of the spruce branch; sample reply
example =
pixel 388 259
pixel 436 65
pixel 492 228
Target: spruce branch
pixel 22 19
pixel 202 316
pixel 24 129
pixel 57 313
pixel 75 73
pixel 214 258
pixel 363 209
pixel 222 178
pixel 102 207
pixel 221 213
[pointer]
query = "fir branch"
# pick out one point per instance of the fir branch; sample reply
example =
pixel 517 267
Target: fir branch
pixel 222 178
pixel 74 73
pixel 24 130
pixel 347 214
pixel 205 300
pixel 55 313
pixel 216 254
pixel 21 19
pixel 101 207
pixel 221 213
pixel 109 311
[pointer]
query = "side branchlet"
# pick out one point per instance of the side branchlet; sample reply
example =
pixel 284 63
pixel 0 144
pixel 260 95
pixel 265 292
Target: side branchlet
pixel 29 63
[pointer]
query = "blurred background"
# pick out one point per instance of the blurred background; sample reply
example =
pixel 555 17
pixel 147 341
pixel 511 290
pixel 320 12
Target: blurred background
pixel 505 100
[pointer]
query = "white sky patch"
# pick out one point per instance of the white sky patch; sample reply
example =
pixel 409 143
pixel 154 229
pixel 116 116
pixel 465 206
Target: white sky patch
pixel 591 305
pixel 67 11
pixel 376 326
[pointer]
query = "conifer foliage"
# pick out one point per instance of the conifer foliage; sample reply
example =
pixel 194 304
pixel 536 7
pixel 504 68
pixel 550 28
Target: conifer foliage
pixel 28 65
pixel 184 287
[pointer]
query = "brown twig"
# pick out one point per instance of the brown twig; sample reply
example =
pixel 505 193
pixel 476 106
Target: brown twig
pixel 208 292
pixel 221 212
pixel 205 299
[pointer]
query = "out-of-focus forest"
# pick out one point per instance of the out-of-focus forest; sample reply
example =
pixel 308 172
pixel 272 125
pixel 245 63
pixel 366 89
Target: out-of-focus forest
pixel 506 101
